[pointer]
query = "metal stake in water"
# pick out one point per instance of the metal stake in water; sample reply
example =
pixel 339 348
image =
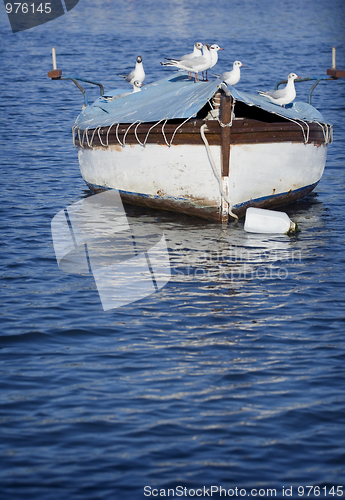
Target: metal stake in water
pixel 54 58
pixel 333 58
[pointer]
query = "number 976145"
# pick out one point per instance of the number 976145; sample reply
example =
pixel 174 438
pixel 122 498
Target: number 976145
pixel 25 8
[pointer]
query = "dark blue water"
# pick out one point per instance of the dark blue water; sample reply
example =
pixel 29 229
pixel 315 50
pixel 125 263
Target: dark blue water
pixel 232 375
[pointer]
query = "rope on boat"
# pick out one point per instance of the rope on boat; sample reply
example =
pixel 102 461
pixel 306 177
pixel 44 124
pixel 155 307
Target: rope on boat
pixel 99 137
pixel 232 116
pixel 80 142
pixel 73 134
pixel 85 137
pixel 92 137
pixel 148 133
pixel 108 132
pixel 176 129
pixel 117 135
pixel 326 129
pixel 164 133
pixel 136 136
pixel 125 134
pixel 305 135
pixel 328 133
pixel 306 138
pixel 214 168
pixel 174 133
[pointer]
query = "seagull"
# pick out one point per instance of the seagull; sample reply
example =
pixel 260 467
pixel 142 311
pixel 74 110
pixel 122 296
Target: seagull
pixel 193 65
pixel 138 73
pixel 214 55
pixel 196 52
pixel 136 88
pixel 232 77
pixel 283 96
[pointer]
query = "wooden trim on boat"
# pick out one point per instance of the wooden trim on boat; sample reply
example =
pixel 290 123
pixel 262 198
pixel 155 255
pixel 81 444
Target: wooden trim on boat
pixel 243 131
pixel 225 134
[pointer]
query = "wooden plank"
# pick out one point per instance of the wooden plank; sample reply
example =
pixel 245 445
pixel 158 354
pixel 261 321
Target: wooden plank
pixel 242 132
pixel 225 119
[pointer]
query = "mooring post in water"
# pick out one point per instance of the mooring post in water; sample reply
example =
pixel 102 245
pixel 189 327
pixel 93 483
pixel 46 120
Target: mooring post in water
pixel 333 58
pixel 54 73
pixel 54 58
pixel 225 134
pixel 334 72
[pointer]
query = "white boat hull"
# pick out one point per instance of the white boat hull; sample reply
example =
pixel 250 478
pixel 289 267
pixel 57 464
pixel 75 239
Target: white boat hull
pixel 180 177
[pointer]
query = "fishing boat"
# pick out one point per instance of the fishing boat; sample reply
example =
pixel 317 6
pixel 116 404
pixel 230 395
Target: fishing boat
pixel 201 148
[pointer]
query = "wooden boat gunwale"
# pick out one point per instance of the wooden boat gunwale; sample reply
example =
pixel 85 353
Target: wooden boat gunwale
pixel 243 131
pixel 264 127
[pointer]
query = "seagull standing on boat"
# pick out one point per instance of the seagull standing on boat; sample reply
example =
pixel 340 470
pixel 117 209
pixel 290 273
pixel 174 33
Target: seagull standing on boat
pixel 137 86
pixel 283 96
pixel 232 77
pixel 138 73
pixel 196 52
pixel 193 65
pixel 214 55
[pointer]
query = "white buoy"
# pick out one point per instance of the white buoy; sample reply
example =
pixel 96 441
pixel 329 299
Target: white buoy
pixel 259 220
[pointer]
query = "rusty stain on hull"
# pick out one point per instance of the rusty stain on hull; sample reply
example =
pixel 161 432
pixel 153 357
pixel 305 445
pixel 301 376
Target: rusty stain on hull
pixel 276 201
pixel 203 208
pixel 188 207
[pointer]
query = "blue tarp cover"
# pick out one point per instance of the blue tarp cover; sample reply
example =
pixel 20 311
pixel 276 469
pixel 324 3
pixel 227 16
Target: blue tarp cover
pixel 296 110
pixel 175 97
